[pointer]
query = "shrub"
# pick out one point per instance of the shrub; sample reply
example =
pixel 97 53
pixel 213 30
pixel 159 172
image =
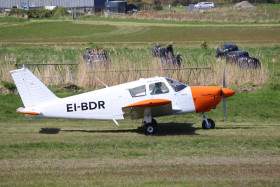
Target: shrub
pixel 39 13
pixel 203 44
pixel 274 86
pixel 158 5
pixel 185 2
pixel 131 6
pixel 145 6
pixel 10 86
pixel 175 3
pixel 60 12
pixel 17 12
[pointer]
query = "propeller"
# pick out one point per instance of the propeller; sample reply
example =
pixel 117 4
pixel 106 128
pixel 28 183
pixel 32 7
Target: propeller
pixel 224 86
pixel 225 92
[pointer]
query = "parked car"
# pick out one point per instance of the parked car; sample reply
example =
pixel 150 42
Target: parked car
pixel 205 5
pixel 162 51
pixel 249 63
pixel 223 49
pixel 134 10
pixel 232 57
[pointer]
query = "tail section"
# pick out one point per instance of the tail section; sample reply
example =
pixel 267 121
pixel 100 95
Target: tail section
pixel 32 91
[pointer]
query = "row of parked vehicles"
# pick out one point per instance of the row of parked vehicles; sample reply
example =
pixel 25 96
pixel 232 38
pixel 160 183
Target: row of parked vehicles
pixel 99 57
pixel 234 56
pixel 230 51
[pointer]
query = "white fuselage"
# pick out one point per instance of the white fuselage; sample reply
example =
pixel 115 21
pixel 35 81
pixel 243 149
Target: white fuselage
pixel 108 103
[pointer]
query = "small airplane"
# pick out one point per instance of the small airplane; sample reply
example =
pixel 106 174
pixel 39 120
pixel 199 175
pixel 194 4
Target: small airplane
pixel 145 98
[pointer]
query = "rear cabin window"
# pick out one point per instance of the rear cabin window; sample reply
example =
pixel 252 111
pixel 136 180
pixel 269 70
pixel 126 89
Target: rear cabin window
pixel 158 88
pixel 138 91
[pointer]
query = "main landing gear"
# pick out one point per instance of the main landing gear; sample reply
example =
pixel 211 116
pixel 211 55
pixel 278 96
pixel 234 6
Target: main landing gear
pixel 149 124
pixel 207 123
pixel 150 128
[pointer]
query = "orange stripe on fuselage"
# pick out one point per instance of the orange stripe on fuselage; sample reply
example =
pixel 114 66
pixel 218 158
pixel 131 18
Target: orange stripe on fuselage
pixel 27 112
pixel 206 97
pixel 149 103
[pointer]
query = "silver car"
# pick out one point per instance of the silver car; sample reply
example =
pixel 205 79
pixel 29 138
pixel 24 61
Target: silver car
pixel 205 5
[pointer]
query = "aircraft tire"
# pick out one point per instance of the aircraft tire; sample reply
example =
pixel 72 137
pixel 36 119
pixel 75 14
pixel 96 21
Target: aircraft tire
pixel 212 124
pixel 150 128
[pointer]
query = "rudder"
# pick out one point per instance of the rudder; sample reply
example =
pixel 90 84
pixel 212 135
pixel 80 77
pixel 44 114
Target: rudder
pixel 31 90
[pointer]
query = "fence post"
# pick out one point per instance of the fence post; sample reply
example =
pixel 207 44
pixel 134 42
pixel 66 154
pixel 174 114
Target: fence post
pixel 71 75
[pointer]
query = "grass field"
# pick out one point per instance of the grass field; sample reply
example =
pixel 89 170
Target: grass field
pixel 243 151
pixel 136 31
pixel 97 153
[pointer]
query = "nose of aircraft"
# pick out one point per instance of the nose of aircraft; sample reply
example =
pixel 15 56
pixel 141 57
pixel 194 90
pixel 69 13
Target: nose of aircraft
pixel 227 92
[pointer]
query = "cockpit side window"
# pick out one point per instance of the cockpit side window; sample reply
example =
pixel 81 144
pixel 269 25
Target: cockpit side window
pixel 138 91
pixel 177 86
pixel 158 88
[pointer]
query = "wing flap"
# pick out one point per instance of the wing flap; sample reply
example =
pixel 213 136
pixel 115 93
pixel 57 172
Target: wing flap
pixel 150 103
pixel 159 107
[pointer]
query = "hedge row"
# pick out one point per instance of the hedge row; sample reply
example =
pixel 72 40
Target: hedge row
pixel 40 13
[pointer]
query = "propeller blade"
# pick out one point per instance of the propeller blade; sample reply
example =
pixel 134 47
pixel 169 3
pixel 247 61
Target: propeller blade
pixel 224 106
pixel 224 86
pixel 224 77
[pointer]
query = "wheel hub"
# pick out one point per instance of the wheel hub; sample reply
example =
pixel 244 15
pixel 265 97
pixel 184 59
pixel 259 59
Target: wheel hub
pixel 150 129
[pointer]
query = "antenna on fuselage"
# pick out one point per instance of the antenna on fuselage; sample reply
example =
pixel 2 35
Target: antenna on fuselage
pixel 102 82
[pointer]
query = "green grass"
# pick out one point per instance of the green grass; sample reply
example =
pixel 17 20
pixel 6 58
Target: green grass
pixel 170 21
pixel 50 31
pixel 105 30
pixel 267 6
pixel 89 152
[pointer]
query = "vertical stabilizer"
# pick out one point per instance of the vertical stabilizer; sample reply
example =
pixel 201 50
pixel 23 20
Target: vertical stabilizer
pixel 32 91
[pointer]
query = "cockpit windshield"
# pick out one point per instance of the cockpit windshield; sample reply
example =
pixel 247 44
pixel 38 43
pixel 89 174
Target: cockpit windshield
pixel 177 86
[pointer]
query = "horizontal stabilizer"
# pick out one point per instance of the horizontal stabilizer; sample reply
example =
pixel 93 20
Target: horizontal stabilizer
pixel 22 111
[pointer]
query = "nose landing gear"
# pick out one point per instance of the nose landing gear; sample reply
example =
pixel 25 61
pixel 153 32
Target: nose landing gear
pixel 207 123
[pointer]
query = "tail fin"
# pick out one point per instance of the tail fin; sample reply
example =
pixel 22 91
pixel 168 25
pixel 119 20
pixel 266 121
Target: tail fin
pixel 32 91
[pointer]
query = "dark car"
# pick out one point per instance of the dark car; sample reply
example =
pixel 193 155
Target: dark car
pixel 223 49
pixel 249 63
pixel 162 51
pixel 232 57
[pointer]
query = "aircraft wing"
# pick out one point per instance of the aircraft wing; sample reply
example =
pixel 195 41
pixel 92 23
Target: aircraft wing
pixel 159 107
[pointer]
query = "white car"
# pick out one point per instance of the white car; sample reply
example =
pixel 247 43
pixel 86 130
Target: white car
pixel 205 5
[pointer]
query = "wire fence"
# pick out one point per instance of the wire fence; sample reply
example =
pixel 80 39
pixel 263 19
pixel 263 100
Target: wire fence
pixel 55 72
pixel 68 72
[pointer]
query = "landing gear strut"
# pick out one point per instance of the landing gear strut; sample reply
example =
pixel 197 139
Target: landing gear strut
pixel 207 123
pixel 150 124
